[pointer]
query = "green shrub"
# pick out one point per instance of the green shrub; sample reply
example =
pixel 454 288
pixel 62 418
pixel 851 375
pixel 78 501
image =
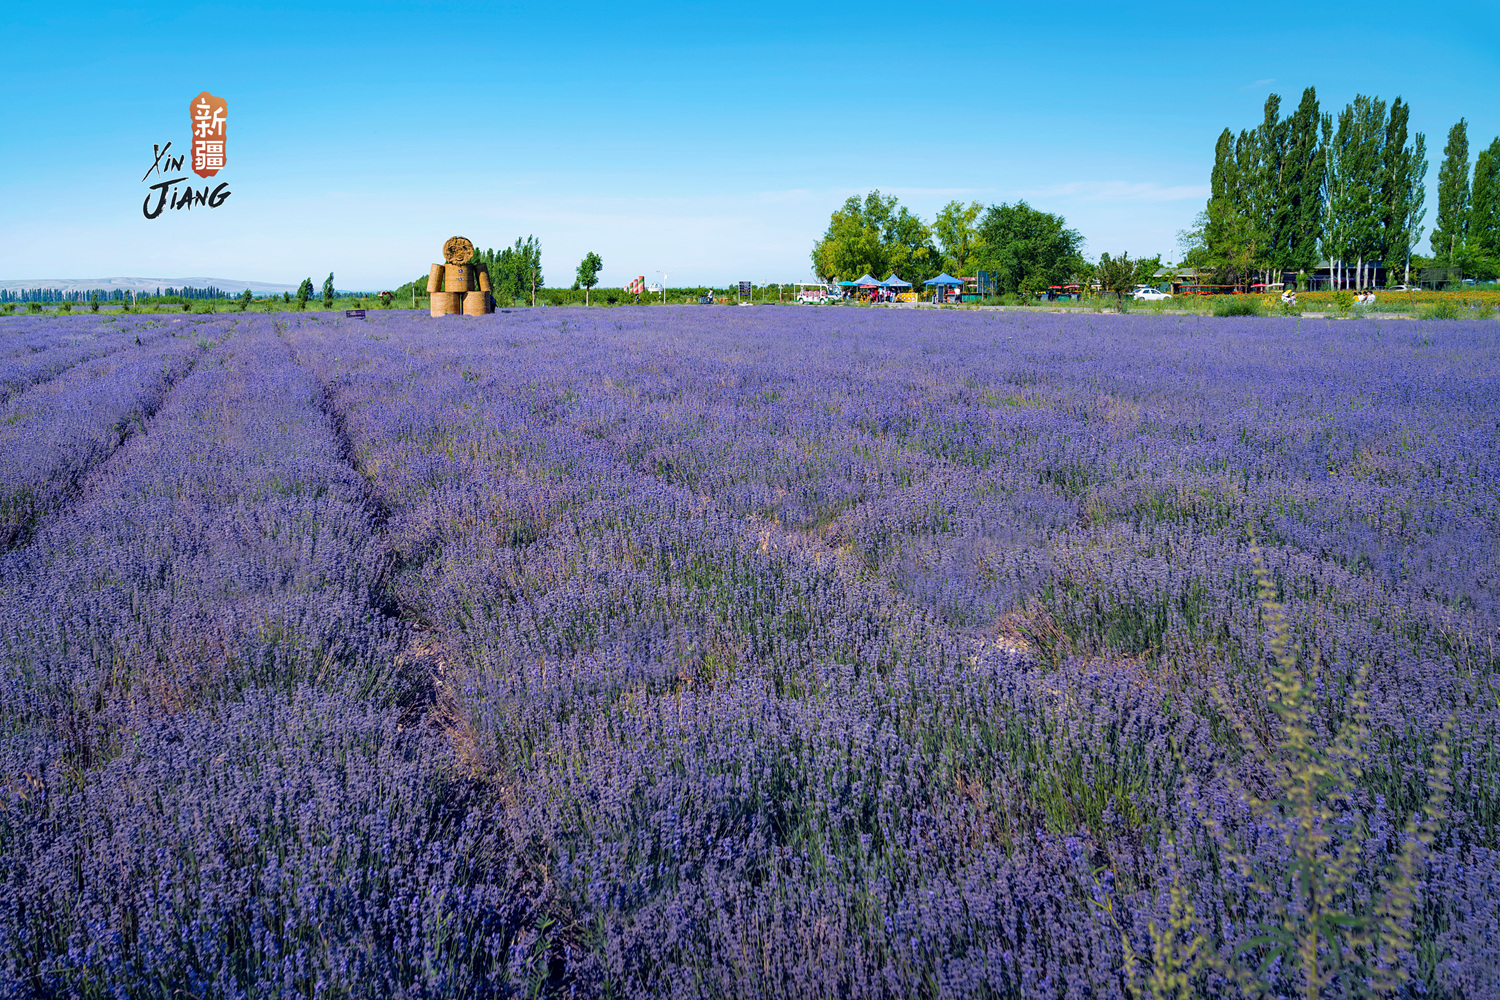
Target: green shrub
pixel 1239 305
pixel 1443 309
pixel 33 307
pixel 1343 301
pixel 10 307
pixel 66 307
pixel 94 304
pixel 1323 922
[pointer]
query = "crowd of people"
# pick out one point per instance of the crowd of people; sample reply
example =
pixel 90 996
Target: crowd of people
pixel 1363 297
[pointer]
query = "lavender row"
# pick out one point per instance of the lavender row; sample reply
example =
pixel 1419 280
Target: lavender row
pixel 35 349
pixel 54 433
pixel 227 546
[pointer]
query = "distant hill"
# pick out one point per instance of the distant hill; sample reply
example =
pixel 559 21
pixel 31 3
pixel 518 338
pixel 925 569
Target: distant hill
pixel 144 286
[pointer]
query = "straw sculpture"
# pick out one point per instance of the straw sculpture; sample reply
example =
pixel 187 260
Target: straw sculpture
pixel 456 287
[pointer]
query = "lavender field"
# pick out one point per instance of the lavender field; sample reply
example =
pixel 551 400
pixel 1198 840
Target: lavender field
pixel 749 653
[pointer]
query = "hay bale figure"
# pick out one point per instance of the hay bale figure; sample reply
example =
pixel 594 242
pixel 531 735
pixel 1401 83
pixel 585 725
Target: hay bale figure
pixel 455 287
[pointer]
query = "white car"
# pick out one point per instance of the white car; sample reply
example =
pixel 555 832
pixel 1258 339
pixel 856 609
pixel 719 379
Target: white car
pixel 1145 294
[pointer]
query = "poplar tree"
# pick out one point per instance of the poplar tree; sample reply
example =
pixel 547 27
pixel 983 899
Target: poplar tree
pixel 1263 165
pixel 1336 213
pixel 1403 192
pixel 1302 185
pixel 1484 213
pixel 1228 233
pixel 1354 173
pixel 1449 230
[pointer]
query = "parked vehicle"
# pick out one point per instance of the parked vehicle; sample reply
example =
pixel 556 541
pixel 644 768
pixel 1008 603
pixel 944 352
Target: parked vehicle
pixel 1148 294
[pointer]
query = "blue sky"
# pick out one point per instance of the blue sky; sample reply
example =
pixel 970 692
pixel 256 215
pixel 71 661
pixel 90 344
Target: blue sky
pixel 707 141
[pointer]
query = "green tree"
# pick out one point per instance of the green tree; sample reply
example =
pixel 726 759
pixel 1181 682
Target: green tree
pixel 1484 214
pixel 516 271
pixel 588 273
pixel 328 291
pixel 1121 274
pixel 1204 243
pixel 1228 238
pixel 1115 274
pixel 1403 193
pixel 1019 242
pixel 1354 174
pixel 853 244
pixel 1449 229
pixel 1262 160
pixel 878 235
pixel 908 248
pixel 957 235
pixel 1146 268
pixel 529 265
pixel 1301 189
pixel 245 298
pixel 304 292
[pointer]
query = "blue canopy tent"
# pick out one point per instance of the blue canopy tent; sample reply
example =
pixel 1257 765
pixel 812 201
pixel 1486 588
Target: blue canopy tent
pixel 943 284
pixel 866 283
pixel 894 281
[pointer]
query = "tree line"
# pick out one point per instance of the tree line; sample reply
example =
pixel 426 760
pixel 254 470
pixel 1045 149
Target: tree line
pixel 107 294
pixel 1025 250
pixel 1349 189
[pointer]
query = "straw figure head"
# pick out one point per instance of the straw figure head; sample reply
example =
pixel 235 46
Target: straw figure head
pixel 458 250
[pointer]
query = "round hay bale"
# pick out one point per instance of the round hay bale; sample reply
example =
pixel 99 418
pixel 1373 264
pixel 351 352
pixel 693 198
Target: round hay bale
pixel 435 278
pixel 456 278
pixel 477 304
pixel 484 279
pixel 458 250
pixel 446 303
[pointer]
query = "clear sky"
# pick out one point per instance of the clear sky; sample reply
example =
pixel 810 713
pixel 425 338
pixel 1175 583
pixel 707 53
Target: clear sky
pixel 708 141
